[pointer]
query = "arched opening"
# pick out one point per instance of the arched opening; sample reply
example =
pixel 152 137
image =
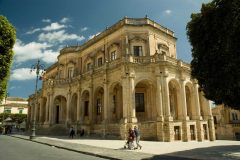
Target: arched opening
pixel 144 105
pixel 73 109
pixel 60 109
pixel 116 103
pixel 174 99
pixel 85 105
pixel 189 100
pixel 98 105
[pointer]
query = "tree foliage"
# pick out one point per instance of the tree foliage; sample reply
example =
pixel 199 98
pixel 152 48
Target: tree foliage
pixel 19 118
pixel 7 40
pixel 214 34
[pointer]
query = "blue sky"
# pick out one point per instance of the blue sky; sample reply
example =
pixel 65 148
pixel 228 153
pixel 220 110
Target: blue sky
pixel 45 26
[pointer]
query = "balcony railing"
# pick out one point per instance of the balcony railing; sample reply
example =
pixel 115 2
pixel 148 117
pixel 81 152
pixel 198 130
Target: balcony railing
pixel 157 58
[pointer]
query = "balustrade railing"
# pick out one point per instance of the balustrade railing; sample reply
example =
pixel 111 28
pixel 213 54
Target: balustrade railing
pixel 157 58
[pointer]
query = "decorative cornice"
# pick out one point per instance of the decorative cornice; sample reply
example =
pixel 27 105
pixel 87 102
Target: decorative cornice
pixel 124 22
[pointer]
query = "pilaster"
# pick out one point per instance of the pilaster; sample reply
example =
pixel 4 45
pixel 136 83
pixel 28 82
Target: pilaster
pixel 78 104
pixel 183 102
pixel 197 115
pixel 68 107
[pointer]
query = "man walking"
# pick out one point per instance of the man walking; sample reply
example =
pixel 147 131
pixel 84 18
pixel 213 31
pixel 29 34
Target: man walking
pixel 137 135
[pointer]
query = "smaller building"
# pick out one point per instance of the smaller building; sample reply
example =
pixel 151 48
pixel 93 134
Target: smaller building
pixel 227 122
pixel 14 105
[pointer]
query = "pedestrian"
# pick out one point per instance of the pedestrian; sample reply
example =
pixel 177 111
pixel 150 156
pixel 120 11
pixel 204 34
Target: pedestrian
pixel 82 133
pixel 137 135
pixel 71 132
pixel 131 136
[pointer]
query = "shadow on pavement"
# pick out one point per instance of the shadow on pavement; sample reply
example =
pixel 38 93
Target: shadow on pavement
pixel 209 153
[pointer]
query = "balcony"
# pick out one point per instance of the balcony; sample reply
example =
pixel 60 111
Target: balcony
pixel 127 59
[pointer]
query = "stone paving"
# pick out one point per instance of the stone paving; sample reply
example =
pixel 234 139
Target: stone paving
pixel 113 149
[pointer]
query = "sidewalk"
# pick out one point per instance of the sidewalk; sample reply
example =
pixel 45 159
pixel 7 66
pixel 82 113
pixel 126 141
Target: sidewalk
pixel 113 149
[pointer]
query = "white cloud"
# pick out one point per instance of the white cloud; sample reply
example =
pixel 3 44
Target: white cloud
pixel 168 11
pixel 59 36
pixel 34 50
pixel 34 30
pixel 22 74
pixel 64 20
pixel 15 87
pixel 84 29
pixel 46 20
pixel 54 26
pixel 92 36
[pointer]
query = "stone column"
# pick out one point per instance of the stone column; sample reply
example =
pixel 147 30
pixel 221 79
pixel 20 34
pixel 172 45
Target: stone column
pixel 183 100
pixel 105 109
pixel 51 107
pixel 197 114
pixel 159 99
pixel 47 110
pixel 91 100
pixel 132 106
pixel 184 117
pixel 78 105
pixel 168 133
pixel 160 129
pixel 68 108
pixel 125 91
pixel 165 95
pixel 41 110
pixel 127 44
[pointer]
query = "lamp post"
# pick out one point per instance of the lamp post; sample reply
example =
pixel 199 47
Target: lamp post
pixel 36 68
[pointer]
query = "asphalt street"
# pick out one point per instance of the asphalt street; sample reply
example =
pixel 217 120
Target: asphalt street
pixel 18 149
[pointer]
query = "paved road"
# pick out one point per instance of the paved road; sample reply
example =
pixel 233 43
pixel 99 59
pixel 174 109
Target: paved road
pixel 18 149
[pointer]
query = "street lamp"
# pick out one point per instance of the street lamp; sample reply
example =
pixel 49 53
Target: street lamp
pixel 39 69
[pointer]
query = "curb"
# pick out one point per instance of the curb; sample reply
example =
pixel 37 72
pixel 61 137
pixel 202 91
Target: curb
pixel 69 149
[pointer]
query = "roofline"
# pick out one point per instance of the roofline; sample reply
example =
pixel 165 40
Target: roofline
pixel 123 22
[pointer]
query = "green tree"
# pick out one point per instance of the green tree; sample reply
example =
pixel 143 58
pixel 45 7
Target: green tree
pixel 214 34
pixel 19 118
pixel 7 40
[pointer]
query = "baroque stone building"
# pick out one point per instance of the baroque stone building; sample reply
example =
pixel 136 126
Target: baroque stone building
pixel 227 122
pixel 127 75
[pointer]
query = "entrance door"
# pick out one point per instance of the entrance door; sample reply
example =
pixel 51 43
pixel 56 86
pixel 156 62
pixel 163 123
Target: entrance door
pixel 57 114
pixel 192 132
pixel 177 135
pixel 205 131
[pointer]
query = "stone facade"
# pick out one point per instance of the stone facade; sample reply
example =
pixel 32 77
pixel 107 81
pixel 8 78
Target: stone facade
pixel 14 105
pixel 227 122
pixel 127 75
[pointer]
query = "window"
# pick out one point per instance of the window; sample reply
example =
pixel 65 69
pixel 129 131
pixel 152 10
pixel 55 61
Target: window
pixel 59 74
pixel 113 55
pixel 88 66
pixel 139 102
pixel 100 62
pixel 137 51
pixel 20 110
pixel 70 72
pixel 215 119
pixel 114 104
pixel 99 106
pixel 233 116
pixel 86 108
pixel 7 110
pixel 163 49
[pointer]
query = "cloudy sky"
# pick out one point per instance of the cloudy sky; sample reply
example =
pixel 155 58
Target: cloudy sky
pixel 45 26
